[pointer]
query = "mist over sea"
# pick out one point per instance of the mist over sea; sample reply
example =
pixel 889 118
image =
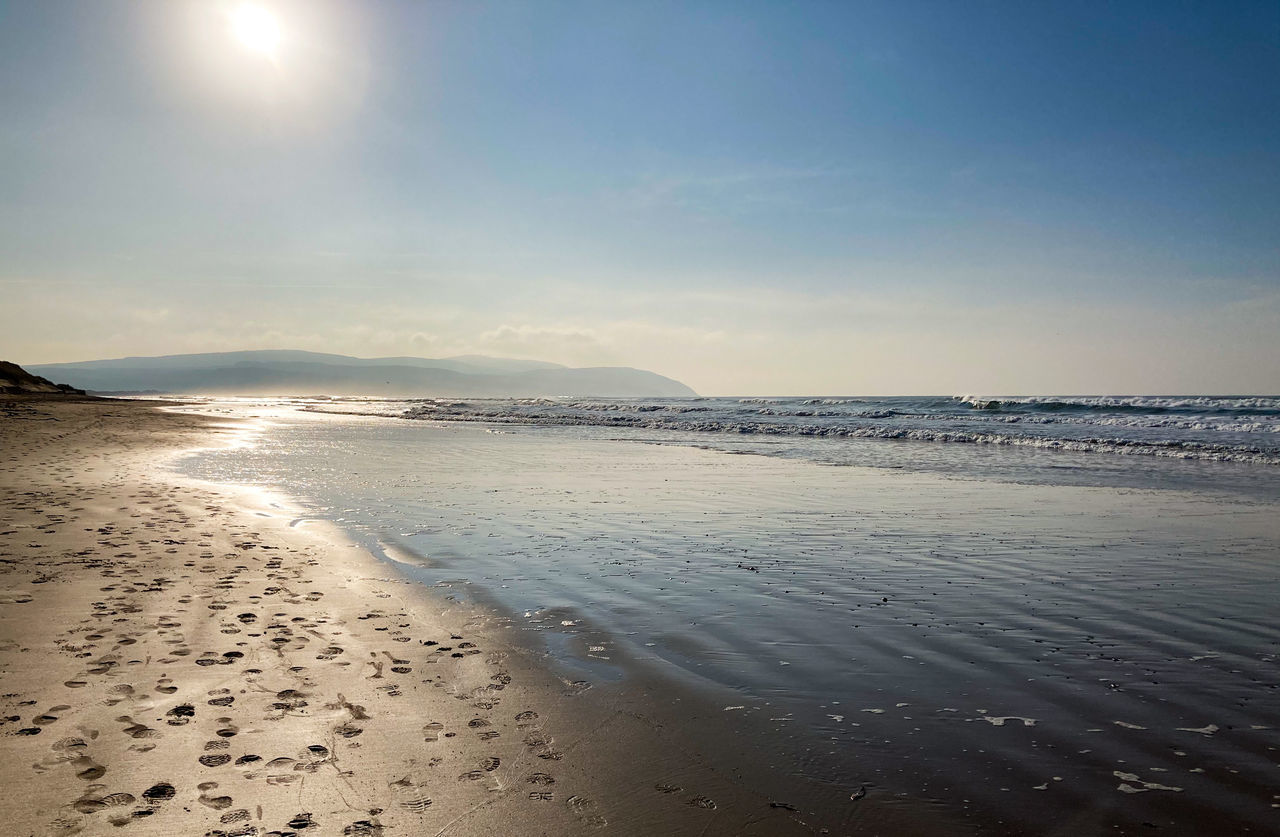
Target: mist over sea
pixel 1027 612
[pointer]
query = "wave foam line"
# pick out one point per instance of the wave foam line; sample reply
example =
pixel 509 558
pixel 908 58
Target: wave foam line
pixel 1166 448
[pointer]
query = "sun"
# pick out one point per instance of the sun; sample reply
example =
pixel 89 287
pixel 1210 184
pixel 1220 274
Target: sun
pixel 256 29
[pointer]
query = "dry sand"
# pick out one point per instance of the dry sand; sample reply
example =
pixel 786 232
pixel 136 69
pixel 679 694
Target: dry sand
pixel 176 658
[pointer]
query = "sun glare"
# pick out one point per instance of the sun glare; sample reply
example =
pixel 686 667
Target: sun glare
pixel 256 29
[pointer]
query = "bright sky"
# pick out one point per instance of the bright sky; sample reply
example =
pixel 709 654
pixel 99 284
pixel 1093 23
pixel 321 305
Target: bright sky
pixel 751 197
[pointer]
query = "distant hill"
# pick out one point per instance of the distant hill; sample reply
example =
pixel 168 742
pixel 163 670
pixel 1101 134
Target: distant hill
pixel 287 372
pixel 14 380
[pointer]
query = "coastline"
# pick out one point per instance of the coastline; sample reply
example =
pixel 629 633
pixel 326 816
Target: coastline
pixel 176 657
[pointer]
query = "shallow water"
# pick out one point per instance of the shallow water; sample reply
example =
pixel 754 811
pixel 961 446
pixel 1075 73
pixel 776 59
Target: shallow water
pixel 1037 656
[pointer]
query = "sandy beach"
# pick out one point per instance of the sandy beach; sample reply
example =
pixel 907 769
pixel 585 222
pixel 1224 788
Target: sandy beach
pixel 177 658
pixel 595 417
pixel 242 619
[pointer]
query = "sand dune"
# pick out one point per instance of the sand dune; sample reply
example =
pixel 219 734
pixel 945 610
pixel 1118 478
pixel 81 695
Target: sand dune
pixel 14 380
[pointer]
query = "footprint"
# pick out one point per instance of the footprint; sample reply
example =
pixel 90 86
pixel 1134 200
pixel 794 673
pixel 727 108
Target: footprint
pixel 417 805
pixel 88 770
pixel 180 715
pixel 587 811
pixel 217 803
pixel 410 794
pixel 88 805
pixel 289 699
pixel 491 764
pixel 133 729
pixel 312 758
pixel 63 745
pixel 159 792
pixel 117 693
pixel 214 759
pixel 302 821
pixel 431 732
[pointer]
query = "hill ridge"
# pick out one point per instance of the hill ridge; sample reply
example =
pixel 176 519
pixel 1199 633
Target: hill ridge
pixel 297 372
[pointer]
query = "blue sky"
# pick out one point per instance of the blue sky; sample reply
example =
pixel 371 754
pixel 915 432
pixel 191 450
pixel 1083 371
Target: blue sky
pixel 751 197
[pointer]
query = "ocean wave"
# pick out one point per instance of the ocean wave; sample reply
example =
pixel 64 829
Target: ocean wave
pixel 1229 422
pixel 744 410
pixel 1257 405
pixel 652 420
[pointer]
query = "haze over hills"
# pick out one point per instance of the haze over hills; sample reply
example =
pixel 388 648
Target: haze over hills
pixel 288 372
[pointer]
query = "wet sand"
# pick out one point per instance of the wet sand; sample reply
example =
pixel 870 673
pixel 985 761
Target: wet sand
pixel 177 658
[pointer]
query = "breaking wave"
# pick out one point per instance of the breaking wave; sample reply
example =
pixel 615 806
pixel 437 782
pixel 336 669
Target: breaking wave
pixel 1257 405
pixel 1225 429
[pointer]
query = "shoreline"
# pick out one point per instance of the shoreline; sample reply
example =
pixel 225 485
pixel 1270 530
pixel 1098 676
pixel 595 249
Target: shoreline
pixel 199 665
pixel 1001 597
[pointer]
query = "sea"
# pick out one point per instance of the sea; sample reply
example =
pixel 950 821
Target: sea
pixel 1038 615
